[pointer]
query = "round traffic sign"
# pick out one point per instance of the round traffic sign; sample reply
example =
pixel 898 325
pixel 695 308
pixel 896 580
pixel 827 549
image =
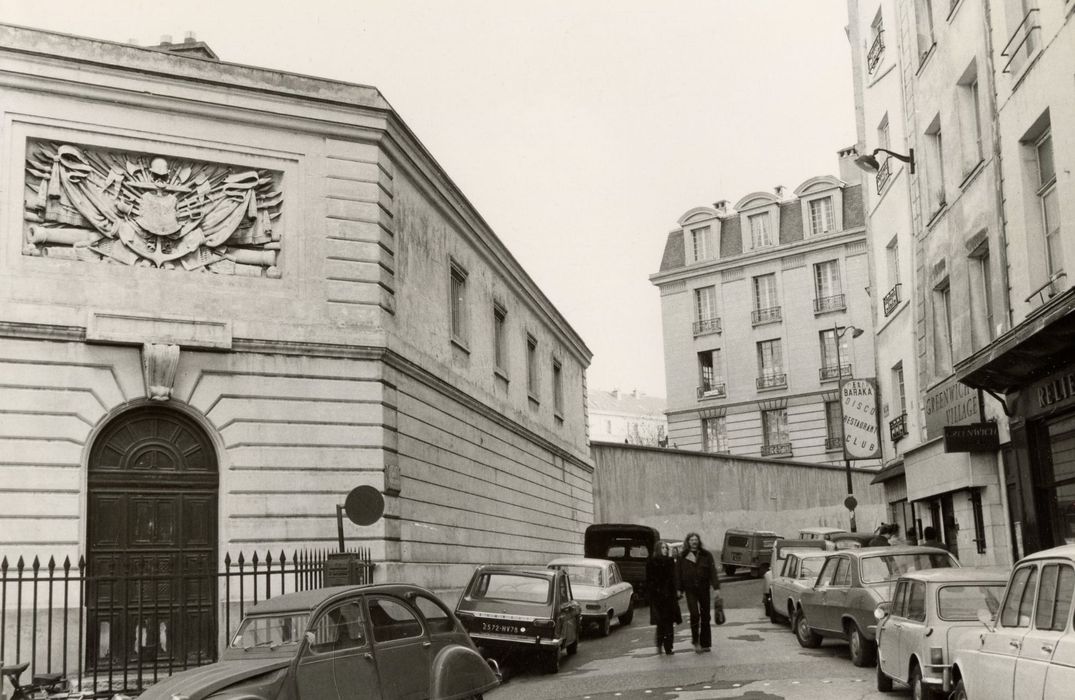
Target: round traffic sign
pixel 364 505
pixel 850 503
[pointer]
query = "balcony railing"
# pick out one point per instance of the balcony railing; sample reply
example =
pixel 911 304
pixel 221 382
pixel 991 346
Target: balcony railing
pixel 833 443
pixel 828 374
pixel 772 381
pixel 831 303
pixel 714 390
pixel 707 326
pixel 770 315
pixel 884 172
pixel 877 50
pixel 1022 43
pixel 897 427
pixel 892 299
pixel 780 448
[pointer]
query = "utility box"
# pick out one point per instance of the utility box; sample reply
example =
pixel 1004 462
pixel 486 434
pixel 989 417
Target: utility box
pixel 344 569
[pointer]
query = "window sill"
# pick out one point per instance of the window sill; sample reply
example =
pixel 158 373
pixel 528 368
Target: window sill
pixel 971 175
pixel 461 344
pixel 1017 78
pixel 942 208
pixel 558 417
pixel 925 58
pixel 534 401
pixel 501 374
pixel 779 387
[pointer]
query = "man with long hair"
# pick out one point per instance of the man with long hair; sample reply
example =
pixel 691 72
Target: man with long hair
pixel 697 574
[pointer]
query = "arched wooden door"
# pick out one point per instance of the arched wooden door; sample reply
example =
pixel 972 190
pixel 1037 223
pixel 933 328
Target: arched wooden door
pixel 152 537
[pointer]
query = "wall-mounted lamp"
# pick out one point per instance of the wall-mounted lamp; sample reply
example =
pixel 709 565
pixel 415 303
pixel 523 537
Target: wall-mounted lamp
pixel 869 163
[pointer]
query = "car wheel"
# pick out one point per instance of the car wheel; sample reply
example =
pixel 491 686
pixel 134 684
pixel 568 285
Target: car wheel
pixel 605 625
pixel 573 647
pixel 765 603
pixel 625 619
pixel 552 661
pixel 729 570
pixel 863 651
pixel 919 690
pixel 805 635
pixel 884 682
pixel 960 693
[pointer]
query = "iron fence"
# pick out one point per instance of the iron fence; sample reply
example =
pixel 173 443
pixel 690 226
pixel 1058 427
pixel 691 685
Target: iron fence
pixel 123 629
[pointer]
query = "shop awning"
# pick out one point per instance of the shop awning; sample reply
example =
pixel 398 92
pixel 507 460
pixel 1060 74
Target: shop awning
pixel 1037 347
pixel 890 472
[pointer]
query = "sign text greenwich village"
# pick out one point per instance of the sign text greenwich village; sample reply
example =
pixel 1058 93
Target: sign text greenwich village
pixel 950 403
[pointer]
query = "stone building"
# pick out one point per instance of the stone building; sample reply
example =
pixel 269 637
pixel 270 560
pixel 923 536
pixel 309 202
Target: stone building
pixel 229 295
pixel 753 298
pixel 627 417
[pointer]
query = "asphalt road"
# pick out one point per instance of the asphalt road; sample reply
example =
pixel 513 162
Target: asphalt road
pixel 752 658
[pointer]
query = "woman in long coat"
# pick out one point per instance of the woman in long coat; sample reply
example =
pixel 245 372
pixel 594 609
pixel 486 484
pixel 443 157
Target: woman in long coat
pixel 663 596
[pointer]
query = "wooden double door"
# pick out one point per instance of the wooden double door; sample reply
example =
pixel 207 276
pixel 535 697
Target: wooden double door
pixel 151 594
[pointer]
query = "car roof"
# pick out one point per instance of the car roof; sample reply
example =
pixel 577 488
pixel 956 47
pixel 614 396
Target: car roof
pixel 821 530
pixel 521 570
pixel 803 552
pixel 960 575
pixel 891 550
pixel 1066 551
pixel 626 527
pixel 739 531
pixel 308 600
pixel 579 561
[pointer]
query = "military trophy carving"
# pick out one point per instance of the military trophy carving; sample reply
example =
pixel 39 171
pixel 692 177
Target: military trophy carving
pixel 150 211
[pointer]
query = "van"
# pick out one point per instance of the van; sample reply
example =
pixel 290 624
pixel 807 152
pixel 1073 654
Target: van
pixel 748 548
pixel 626 544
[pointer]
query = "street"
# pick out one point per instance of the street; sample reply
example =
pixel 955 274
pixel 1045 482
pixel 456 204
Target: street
pixel 751 658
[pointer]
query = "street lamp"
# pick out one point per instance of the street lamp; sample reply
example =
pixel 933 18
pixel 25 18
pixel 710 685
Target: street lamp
pixel 869 162
pixel 838 333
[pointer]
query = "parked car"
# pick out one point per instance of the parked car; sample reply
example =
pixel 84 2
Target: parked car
pixel 852 583
pixel 378 641
pixel 626 544
pixel 511 611
pixel 600 590
pixel 780 552
pixel 819 533
pixel 798 573
pixel 931 613
pixel 749 548
pixel 855 540
pixel 1027 649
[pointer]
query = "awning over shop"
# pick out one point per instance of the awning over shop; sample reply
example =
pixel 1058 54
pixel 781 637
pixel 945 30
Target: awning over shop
pixel 1037 347
pixel 889 472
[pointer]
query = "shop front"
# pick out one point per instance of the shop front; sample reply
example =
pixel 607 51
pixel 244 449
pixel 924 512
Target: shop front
pixel 1032 368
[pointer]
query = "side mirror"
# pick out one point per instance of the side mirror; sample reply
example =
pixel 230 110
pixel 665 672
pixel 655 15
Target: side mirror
pixel 986 618
pixel 882 611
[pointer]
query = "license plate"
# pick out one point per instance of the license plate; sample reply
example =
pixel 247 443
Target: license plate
pixel 500 627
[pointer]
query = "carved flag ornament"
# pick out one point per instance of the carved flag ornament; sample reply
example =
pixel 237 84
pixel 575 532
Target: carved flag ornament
pixel 142 209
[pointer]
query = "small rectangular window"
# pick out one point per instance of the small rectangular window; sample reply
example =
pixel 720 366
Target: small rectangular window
pixel 711 371
pixel 897 386
pixel 500 338
pixel 775 428
pixel 531 367
pixel 942 329
pixel 714 437
pixel 834 423
pixel 761 235
pixel 770 358
pixel 458 302
pixel 699 243
pixel 557 388
pixel 765 293
pixel 705 304
pixel 936 195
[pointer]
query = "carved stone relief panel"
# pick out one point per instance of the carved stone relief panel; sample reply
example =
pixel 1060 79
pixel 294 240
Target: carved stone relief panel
pixel 149 210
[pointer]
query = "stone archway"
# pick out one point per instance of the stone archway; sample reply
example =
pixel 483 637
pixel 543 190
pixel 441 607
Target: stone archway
pixel 152 541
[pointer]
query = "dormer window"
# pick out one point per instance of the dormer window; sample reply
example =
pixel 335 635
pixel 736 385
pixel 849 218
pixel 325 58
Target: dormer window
pixel 821 219
pixel 701 234
pixel 822 201
pixel 759 220
pixel 699 243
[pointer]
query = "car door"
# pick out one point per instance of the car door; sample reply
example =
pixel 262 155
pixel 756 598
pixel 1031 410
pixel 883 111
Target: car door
pixel 401 647
pixel 566 610
pixel 1051 614
pixel 994 675
pixel 779 596
pixel 889 657
pixel 621 591
pixel 913 626
pixel 837 597
pixel 438 622
pixel 336 661
pixel 814 600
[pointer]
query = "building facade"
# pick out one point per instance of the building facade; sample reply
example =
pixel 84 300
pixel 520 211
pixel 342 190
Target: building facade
pixel 230 295
pixel 1030 365
pixel 757 301
pixel 627 417
pixel 925 89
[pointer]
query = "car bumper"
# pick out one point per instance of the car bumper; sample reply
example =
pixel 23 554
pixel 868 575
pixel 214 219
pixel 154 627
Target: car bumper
pixel 507 640
pixel 937 675
pixel 594 615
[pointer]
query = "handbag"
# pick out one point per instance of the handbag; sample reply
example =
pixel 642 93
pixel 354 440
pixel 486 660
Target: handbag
pixel 718 611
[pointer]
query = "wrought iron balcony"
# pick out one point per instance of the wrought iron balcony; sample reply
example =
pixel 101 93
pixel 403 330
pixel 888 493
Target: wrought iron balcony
pixel 707 326
pixel 780 448
pixel 877 50
pixel 828 374
pixel 714 390
pixel 1022 43
pixel 770 315
pixel 884 172
pixel 772 381
pixel 897 427
pixel 831 303
pixel 892 299
pixel 834 443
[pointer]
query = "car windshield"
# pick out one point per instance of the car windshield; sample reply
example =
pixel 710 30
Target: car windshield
pixel 891 566
pixel 583 575
pixel 964 602
pixel 767 542
pixel 270 631
pixel 517 587
pixel 810 568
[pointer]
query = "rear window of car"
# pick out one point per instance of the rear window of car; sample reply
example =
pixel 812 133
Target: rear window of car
pixel 516 587
pixel 627 550
pixel 889 567
pixel 963 602
pixel 737 541
pixel 767 542
pixel 583 575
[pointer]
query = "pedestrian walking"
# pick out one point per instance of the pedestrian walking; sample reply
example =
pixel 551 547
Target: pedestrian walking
pixel 663 597
pixel 697 574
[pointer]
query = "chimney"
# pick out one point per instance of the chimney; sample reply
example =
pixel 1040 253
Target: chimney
pixel 190 38
pixel 615 393
pixel 166 39
pixel 634 394
pixel 849 172
pixel 721 205
pixel 779 191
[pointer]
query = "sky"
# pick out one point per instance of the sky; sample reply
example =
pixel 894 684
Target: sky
pixel 581 130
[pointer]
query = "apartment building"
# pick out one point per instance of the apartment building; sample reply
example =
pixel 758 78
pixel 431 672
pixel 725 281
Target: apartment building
pixel 761 305
pixel 1031 365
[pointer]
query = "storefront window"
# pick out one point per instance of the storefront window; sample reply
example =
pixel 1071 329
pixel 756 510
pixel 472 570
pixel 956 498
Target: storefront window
pixel 1062 446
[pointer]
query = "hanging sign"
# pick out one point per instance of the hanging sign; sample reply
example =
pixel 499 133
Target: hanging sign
pixel 950 403
pixel 976 437
pixel 858 401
